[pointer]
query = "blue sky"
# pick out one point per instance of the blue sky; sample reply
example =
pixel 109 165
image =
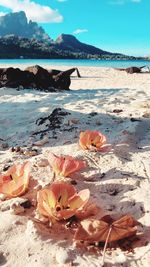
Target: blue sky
pixel 112 25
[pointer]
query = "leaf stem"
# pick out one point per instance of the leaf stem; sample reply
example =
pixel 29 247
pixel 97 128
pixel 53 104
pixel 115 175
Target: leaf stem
pixel 106 242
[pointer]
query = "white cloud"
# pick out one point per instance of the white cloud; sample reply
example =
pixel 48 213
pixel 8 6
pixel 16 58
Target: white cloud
pixel 78 31
pixel 34 11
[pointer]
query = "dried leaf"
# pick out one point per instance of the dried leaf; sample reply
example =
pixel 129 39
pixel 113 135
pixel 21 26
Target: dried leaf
pixel 89 210
pixel 97 230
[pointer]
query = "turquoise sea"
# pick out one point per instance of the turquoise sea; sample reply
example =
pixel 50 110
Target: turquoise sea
pixel 76 62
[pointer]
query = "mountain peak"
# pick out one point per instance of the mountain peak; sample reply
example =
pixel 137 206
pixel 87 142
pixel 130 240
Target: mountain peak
pixel 72 43
pixel 66 38
pixel 16 17
pixel 17 24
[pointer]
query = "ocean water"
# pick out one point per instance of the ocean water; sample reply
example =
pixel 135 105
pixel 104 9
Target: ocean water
pixel 76 62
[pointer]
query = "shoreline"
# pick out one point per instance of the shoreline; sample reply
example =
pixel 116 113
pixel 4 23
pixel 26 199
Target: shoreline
pixel 76 62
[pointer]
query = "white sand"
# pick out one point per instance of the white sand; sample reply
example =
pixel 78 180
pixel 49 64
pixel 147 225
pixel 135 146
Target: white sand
pixel 125 186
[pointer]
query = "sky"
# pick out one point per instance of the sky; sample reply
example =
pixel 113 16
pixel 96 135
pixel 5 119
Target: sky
pixel 121 26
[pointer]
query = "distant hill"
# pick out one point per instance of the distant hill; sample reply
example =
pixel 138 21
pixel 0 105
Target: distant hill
pixel 12 46
pixel 17 24
pixel 67 41
pixel 18 47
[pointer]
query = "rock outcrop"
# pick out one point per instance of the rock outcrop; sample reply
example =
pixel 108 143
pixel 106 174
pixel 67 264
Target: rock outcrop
pixel 132 70
pixel 36 77
pixel 17 24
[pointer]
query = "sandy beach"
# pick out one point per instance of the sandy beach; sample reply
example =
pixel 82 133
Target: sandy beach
pixel 110 101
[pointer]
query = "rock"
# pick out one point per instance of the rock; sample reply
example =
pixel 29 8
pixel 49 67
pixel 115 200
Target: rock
pixel 15 149
pixel 53 121
pixel 62 78
pixel 35 77
pixel 43 163
pixel 92 114
pixel 27 151
pixel 16 209
pixel 120 258
pixel 2 197
pixel 14 77
pixel 73 121
pixel 117 110
pixel 31 152
pixel 74 182
pixel 146 115
pixel 18 221
pixel 42 78
pixel 42 141
pixel 134 119
pixel 132 70
pixel 14 204
pixel 61 256
pixel 4 145
pixel 98 122
pixel 6 167
pixel 2 259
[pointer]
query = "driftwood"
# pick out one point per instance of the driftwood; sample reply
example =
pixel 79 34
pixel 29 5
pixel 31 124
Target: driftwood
pixel 132 70
pixel 63 77
pixel 36 77
pixel 66 72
